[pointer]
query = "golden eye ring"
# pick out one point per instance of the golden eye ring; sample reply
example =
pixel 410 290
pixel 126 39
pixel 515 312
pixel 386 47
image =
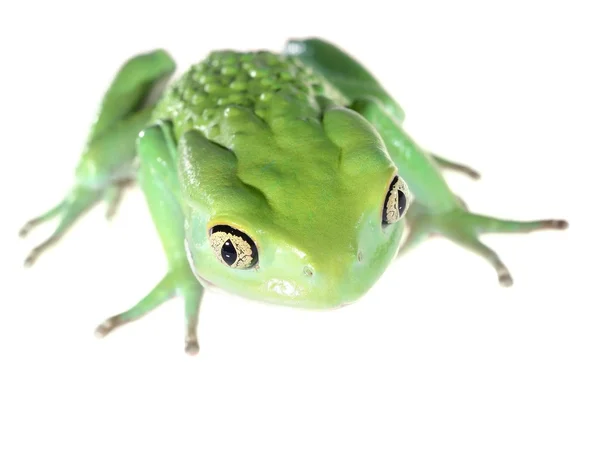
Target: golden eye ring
pixel 233 247
pixel 396 202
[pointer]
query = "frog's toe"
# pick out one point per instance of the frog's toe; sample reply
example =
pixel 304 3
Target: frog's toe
pixel 557 224
pixel 465 170
pixel 192 295
pixel 37 251
pixel 191 346
pixel 114 196
pixel 48 215
pixel 447 164
pixel 25 229
pixel 472 243
pixel 107 326
pixel 485 224
pixel 505 279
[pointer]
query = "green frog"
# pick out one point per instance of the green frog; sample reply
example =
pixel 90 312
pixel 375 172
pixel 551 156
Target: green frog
pixel 282 177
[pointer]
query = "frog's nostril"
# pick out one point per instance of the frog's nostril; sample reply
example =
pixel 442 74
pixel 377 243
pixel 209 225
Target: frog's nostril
pixel 359 256
pixel 308 271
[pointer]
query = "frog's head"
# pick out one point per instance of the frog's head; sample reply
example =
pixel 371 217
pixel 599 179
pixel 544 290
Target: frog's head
pixel 304 212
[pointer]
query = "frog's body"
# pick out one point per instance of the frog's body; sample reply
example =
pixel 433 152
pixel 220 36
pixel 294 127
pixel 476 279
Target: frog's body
pixel 280 177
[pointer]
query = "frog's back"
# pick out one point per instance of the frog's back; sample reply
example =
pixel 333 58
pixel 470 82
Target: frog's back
pixel 248 79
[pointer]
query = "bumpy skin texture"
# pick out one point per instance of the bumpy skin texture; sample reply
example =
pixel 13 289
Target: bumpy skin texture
pixel 296 155
pixel 251 80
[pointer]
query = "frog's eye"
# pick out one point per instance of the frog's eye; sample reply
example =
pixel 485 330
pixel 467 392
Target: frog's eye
pixel 395 204
pixel 233 247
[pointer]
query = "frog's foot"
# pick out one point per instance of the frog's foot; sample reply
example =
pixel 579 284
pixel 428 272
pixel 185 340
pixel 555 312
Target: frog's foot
pixel 69 210
pixel 464 228
pixel 457 167
pixel 177 282
pixel 79 200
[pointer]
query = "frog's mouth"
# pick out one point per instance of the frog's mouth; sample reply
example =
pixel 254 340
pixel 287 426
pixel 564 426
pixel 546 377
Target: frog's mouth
pixel 204 282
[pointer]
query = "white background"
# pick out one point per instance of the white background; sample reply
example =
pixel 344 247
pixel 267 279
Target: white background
pixel 436 356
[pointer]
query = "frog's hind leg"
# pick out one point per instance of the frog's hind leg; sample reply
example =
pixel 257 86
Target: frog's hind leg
pixel 354 81
pixel 106 165
pixel 343 71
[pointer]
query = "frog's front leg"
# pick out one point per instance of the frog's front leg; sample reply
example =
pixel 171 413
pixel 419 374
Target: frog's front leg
pixel 106 163
pixel 158 179
pixel 437 210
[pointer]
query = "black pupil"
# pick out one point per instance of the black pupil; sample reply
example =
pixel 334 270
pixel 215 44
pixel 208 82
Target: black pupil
pixel 228 252
pixel 401 202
